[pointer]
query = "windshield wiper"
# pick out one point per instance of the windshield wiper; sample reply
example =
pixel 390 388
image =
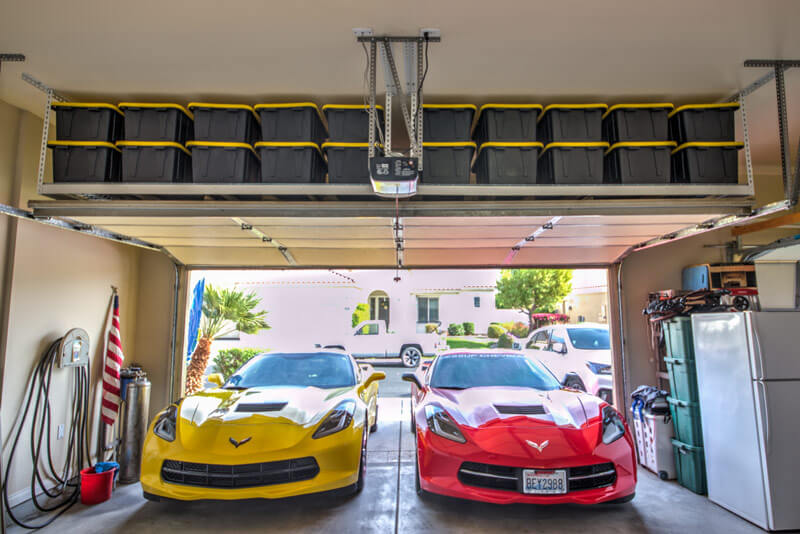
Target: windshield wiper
pixel 237 388
pixel 451 387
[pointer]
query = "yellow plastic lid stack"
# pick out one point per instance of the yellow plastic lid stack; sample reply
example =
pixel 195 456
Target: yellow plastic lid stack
pixel 721 105
pixel 450 106
pixel 509 144
pixel 709 144
pixel 207 105
pixel 655 105
pixel 591 144
pixel 553 107
pixel 444 144
pixel 350 106
pixel 220 144
pixel 153 144
pixel 642 144
pixel 290 105
pixel 103 105
pixel 156 105
pixel 288 144
pixel 85 144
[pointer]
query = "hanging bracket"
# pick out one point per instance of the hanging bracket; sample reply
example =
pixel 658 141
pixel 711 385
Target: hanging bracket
pixel 11 58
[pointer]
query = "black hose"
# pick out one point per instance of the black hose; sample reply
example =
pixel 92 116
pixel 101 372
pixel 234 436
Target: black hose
pixel 67 489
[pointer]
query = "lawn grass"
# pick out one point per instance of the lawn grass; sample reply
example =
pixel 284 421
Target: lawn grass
pixel 458 343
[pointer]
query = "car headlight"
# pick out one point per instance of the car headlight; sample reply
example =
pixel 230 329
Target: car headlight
pixel 613 427
pixel 441 424
pixel 599 368
pixel 336 421
pixel 166 423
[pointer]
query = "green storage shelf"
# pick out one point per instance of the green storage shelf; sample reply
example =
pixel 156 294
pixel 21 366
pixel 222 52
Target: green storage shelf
pixel 682 379
pixel 686 421
pixel 678 338
pixel 690 466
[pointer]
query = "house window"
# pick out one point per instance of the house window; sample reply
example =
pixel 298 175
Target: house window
pixel 427 309
pixel 476 302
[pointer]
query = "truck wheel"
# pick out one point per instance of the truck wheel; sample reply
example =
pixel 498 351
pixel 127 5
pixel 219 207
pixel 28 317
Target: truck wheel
pixel 411 355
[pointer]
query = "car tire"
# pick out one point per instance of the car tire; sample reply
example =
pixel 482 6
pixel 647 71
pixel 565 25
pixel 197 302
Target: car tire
pixel 411 355
pixel 362 465
pixel 574 382
pixel 374 427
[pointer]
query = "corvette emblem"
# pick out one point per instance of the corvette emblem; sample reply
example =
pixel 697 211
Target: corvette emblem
pixel 238 443
pixel 537 446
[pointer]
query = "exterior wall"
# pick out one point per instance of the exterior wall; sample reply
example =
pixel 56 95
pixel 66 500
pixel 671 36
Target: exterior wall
pixel 592 307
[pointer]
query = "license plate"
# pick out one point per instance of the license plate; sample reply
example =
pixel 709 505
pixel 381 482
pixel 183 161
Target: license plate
pixel 544 481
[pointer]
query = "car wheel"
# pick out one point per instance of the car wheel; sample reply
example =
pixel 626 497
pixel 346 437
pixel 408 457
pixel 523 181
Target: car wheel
pixel 374 427
pixel 411 356
pixel 574 382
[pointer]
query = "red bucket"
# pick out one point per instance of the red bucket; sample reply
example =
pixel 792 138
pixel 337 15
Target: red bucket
pixel 96 487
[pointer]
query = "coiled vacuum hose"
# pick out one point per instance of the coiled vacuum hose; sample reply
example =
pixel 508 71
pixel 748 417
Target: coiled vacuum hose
pixel 67 478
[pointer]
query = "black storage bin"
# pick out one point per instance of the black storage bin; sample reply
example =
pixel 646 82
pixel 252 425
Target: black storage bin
pixel 639 163
pixel 80 121
pixel 226 123
pixel 155 161
pixel 447 122
pixel 349 123
pixel 228 163
pixel 299 121
pixel 703 122
pixel 348 163
pixel 571 163
pixel 84 161
pixel 146 121
pixel 446 163
pixel 507 163
pixel 706 163
pixel 291 163
pixel 571 123
pixel 624 123
pixel 497 123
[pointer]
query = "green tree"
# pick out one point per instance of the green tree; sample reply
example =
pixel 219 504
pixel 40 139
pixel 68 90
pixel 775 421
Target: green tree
pixel 225 311
pixel 360 315
pixel 533 290
pixel 228 361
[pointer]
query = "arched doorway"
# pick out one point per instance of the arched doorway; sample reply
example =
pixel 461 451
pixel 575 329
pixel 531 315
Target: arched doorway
pixel 379 306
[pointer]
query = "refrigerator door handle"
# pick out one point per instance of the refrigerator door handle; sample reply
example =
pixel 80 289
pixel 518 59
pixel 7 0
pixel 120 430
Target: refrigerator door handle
pixel 758 360
pixel 762 397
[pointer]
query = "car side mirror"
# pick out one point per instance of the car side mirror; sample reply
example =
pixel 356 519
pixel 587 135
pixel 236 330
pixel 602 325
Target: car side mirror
pixel 374 377
pixel 216 378
pixel 413 378
pixel 559 348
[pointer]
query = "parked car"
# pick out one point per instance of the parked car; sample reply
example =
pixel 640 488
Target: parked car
pixel 494 425
pixel 284 424
pixel 371 339
pixel 579 355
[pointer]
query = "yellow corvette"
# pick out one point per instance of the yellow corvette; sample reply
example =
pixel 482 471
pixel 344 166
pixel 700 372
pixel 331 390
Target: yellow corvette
pixel 284 424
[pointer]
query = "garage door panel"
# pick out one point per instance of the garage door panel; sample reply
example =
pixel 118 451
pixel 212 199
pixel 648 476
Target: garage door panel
pixel 522 222
pixel 567 256
pixel 558 241
pixel 326 232
pixel 636 231
pixel 683 220
pixel 229 257
pixel 246 242
pixel 338 243
pixel 450 243
pixel 318 221
pixel 473 231
pixel 158 221
pixel 344 257
pixel 483 257
pixel 200 231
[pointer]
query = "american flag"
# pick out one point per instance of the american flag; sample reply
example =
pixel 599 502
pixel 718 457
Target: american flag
pixel 111 369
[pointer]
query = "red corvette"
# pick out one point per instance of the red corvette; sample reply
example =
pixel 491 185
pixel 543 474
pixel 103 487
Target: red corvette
pixel 496 426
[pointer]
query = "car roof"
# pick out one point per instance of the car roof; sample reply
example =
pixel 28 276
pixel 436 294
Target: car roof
pixel 510 352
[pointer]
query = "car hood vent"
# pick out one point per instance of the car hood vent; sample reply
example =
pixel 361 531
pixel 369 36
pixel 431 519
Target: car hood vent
pixel 536 409
pixel 253 407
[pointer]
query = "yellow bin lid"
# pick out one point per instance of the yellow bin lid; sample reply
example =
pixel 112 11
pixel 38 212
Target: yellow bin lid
pixel 642 144
pixel 206 105
pixel 444 144
pixel 288 144
pixel 722 105
pixel 156 105
pixel 657 105
pixel 153 144
pixel 220 144
pixel 591 144
pixel 88 144
pixel 510 144
pixel 710 144
pixel 104 105
pixel 571 106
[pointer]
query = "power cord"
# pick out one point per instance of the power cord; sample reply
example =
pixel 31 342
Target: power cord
pixel 67 488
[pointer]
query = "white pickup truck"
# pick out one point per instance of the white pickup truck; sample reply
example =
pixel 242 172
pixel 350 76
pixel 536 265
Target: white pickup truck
pixel 371 339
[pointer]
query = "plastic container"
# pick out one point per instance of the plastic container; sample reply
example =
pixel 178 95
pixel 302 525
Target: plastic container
pixel 678 338
pixel 85 161
pixel 706 163
pixel 96 487
pixel 636 122
pixel 155 161
pixel 637 162
pixel 447 123
pixel 86 121
pixel 507 163
pixel 295 121
pixel 498 123
pixel 291 163
pixel 229 163
pixel 157 122
pixel 703 122
pixel 686 421
pixel 690 466
pixel 349 123
pixel 682 379
pixel 348 163
pixel 571 163
pixel 447 163
pixel 226 123
pixel 571 123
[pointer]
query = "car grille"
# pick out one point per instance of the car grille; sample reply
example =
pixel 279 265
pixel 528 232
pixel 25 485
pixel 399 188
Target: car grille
pixel 520 410
pixel 239 476
pixel 510 478
pixel 252 407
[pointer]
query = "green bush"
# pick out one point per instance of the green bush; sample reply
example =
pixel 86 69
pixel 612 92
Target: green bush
pixel 360 315
pixel 495 331
pixel 455 329
pixel 469 329
pixel 505 341
pixel 520 330
pixel 229 360
pixel 431 328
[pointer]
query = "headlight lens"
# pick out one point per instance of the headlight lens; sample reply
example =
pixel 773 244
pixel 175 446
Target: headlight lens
pixel 336 421
pixel 613 427
pixel 599 368
pixel 441 424
pixel 166 423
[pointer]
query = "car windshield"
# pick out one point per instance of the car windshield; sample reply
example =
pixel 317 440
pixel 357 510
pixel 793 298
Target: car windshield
pixel 462 371
pixel 321 370
pixel 589 338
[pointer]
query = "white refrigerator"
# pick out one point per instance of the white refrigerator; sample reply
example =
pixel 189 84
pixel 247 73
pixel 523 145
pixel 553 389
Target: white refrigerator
pixel 748 374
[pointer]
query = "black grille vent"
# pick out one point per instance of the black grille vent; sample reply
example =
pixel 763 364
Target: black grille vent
pixel 510 478
pixel 239 476
pixel 520 410
pixel 257 407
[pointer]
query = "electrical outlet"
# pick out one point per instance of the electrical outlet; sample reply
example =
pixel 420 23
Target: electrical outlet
pixel 60 431
pixel 362 32
pixel 431 33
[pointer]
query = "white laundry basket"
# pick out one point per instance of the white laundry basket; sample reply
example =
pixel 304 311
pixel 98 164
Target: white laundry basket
pixel 654 434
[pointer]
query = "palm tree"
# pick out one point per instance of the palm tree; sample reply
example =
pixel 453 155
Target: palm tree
pixel 224 311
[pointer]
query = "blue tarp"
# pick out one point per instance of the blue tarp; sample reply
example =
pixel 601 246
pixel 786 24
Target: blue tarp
pixel 195 313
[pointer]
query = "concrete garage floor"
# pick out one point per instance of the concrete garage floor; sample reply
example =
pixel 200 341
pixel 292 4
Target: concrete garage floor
pixel 658 506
